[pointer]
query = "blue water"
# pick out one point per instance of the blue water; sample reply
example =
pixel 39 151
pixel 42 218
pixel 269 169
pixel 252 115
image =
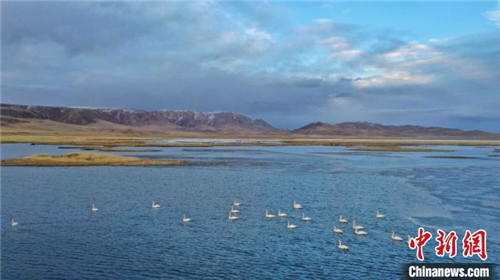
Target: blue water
pixel 59 237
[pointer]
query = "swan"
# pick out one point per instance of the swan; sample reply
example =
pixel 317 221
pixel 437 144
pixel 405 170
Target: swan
pixel 186 220
pixel 337 230
pixel 342 247
pixel 155 206
pixel 409 239
pixel 232 218
pixel 236 203
pixel 291 226
pixel 280 214
pixel 234 211
pixel 354 226
pixel 380 215
pixel 296 206
pixel 360 232
pixel 14 223
pixel 94 209
pixel 304 218
pixel 395 237
pixel 342 220
pixel 268 216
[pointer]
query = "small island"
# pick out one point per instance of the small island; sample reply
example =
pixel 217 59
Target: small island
pixel 87 159
pixel 109 149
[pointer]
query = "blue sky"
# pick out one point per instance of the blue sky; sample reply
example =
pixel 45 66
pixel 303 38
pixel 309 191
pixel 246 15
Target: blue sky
pixel 421 20
pixel 290 63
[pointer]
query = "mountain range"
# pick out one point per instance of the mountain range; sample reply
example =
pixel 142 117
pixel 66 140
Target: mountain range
pixel 367 129
pixel 171 121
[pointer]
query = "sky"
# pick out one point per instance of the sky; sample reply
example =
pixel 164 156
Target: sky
pixel 288 62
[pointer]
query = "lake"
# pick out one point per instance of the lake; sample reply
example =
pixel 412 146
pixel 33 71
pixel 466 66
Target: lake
pixel 58 235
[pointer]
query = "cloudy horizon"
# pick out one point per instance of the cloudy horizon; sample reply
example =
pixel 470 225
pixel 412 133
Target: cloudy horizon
pixel 289 63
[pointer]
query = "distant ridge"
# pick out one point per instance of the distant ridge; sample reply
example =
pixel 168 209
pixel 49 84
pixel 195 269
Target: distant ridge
pixel 367 129
pixel 171 119
pixel 129 121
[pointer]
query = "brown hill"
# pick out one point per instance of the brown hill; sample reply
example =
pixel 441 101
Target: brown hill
pixel 168 119
pixel 29 120
pixel 370 130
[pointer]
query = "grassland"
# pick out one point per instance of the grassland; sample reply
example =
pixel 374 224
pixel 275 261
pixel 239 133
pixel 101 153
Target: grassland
pixel 109 149
pixel 104 136
pixel 87 159
pixel 111 141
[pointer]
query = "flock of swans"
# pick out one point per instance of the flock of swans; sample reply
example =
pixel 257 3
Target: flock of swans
pixel 185 219
pixel 358 229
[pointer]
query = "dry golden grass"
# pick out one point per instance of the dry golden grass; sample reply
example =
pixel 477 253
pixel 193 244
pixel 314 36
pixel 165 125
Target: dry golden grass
pixel 110 141
pixel 108 135
pixel 87 159
pixel 110 149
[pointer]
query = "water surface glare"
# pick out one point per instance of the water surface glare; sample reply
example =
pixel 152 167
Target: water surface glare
pixel 58 235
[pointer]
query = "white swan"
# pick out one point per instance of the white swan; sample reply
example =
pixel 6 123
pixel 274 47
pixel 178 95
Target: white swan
pixel 234 211
pixel 380 215
pixel 395 237
pixel 281 214
pixel 304 218
pixel 296 206
pixel 14 223
pixel 185 219
pixel 232 218
pixel 342 247
pixel 94 209
pixel 155 206
pixel 360 232
pixel 337 230
pixel 409 239
pixel 291 226
pixel 269 216
pixel 354 226
pixel 342 220
pixel 236 203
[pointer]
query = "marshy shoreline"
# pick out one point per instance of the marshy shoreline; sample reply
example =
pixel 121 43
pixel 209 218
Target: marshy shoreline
pixel 109 144
pixel 87 159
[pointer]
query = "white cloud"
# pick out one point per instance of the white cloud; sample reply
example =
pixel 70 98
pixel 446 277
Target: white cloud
pixel 391 78
pixel 409 51
pixel 209 56
pixel 258 34
pixel 324 21
pixel 441 41
pixel 259 40
pixel 494 15
pixel 336 42
pixel 348 53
